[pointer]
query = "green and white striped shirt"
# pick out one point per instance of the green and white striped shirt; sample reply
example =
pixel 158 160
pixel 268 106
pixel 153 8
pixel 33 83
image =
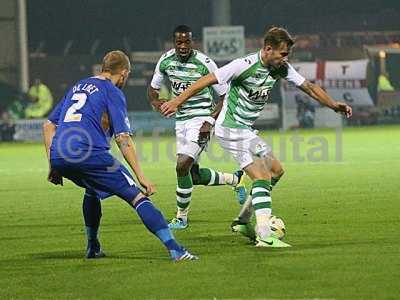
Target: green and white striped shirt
pixel 250 84
pixel 182 75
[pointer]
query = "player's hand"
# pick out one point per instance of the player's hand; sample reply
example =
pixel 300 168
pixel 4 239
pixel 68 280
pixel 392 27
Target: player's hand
pixel 156 104
pixel 169 108
pixel 205 133
pixel 343 109
pixel 55 178
pixel 148 185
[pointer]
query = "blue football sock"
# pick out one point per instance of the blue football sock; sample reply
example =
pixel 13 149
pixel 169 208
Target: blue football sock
pixel 155 223
pixel 92 214
pixel 91 232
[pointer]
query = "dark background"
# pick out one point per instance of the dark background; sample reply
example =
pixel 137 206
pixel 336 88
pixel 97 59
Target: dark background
pixel 147 24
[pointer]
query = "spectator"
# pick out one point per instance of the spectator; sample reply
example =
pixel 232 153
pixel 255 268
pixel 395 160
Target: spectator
pixel 305 112
pixel 12 100
pixel 42 100
pixel 7 127
pixel 384 84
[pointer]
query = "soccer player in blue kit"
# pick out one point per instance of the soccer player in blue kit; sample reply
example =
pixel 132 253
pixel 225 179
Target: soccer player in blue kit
pixel 77 139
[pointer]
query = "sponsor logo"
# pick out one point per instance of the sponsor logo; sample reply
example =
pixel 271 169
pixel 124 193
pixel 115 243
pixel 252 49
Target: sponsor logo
pixel 180 86
pixel 259 96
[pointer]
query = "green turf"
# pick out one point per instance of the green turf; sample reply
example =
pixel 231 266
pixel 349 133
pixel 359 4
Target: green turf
pixel 342 219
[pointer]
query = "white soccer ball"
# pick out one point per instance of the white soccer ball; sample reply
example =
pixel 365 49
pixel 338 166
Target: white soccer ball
pixel 277 226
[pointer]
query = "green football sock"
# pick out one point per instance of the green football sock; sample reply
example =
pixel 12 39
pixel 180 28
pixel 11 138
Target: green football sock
pixel 261 200
pixel 211 177
pixel 183 195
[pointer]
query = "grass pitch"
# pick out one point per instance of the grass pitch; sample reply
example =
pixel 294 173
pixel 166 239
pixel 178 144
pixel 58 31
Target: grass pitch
pixel 341 214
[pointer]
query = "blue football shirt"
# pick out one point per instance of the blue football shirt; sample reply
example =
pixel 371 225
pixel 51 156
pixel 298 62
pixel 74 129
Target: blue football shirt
pixel 90 113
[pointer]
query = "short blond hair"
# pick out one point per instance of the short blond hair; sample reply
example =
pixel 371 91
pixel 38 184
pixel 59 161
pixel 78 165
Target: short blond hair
pixel 115 61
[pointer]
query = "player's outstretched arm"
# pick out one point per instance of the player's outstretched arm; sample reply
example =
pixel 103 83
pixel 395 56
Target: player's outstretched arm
pixel 316 92
pixel 128 150
pixel 170 107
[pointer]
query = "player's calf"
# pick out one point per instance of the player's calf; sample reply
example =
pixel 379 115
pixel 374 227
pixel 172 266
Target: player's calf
pixel 275 167
pixel 91 209
pixel 155 222
pixel 183 191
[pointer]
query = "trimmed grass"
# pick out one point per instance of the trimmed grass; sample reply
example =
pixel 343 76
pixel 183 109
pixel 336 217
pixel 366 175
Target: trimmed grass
pixel 342 218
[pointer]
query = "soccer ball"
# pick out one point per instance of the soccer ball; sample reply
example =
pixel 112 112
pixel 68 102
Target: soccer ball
pixel 277 226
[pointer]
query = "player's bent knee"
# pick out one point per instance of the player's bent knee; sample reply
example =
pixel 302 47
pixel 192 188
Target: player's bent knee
pixel 257 171
pixel 137 198
pixel 262 177
pixel 259 175
pixel 183 167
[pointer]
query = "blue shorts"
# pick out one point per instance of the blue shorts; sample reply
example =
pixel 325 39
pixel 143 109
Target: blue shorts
pixel 101 175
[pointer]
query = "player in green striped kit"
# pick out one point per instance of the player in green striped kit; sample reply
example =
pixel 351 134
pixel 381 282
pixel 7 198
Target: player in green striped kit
pixel 250 80
pixel 194 120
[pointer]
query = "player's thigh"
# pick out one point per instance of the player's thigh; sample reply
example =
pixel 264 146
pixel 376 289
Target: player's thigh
pixel 187 134
pixel 182 142
pixel 262 152
pixel 179 132
pixel 270 164
pixel 236 143
pixel 112 180
pixel 257 170
pixel 193 126
pixel 263 156
pixel 101 174
pixel 273 164
pixel 68 171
